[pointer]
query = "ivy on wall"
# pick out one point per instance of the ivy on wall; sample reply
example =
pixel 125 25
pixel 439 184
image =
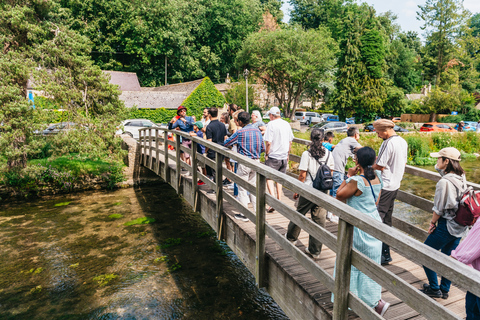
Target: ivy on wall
pixel 204 96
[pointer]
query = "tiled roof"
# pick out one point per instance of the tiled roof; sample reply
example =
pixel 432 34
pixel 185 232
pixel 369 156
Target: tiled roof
pixel 127 81
pixel 153 99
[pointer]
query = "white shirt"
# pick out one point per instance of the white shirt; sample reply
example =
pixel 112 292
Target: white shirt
pixel 279 134
pixel 309 164
pixel 393 157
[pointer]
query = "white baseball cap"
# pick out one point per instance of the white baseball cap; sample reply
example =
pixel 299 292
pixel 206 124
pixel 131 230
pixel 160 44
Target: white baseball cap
pixel 450 153
pixel 274 111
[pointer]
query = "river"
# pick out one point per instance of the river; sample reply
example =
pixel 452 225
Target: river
pixel 73 257
pixel 426 189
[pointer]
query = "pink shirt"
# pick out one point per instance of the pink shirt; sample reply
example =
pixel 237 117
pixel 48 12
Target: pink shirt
pixel 468 251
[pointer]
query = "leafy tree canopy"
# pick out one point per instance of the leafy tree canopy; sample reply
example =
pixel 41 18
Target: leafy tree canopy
pixel 289 60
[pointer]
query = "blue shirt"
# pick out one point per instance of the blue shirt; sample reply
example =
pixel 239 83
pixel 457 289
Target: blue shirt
pixel 200 148
pixel 328 145
pixel 249 141
pixel 184 126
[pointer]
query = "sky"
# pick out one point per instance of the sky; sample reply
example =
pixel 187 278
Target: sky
pixel 405 10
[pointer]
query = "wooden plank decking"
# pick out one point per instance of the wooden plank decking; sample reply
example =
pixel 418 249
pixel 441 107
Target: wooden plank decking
pixel 406 269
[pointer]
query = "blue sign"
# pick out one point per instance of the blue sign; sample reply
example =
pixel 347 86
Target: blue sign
pixel 454 113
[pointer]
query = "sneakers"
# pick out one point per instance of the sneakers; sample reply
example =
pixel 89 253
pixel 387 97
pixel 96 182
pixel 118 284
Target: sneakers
pixel 382 307
pixel 333 218
pixel 240 216
pixel 294 242
pixel 200 183
pixel 386 260
pixel 432 293
pixel 226 182
pixel 314 256
pixel 211 191
pixel 426 286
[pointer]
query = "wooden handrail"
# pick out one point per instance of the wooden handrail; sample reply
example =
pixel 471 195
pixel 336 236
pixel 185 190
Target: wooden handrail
pixel 464 276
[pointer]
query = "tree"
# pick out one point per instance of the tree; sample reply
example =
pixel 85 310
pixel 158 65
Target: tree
pixel 403 65
pixel 442 22
pixel 360 88
pixel 288 61
pixel 311 14
pixel 198 38
pixel 38 47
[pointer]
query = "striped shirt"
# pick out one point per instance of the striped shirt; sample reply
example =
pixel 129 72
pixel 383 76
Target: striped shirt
pixel 249 141
pixel 468 251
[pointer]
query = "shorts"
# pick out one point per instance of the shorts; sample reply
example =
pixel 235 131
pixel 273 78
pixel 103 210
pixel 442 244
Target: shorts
pixel 280 165
pixel 188 144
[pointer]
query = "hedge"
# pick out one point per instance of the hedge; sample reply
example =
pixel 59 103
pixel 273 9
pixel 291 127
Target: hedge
pixel 204 96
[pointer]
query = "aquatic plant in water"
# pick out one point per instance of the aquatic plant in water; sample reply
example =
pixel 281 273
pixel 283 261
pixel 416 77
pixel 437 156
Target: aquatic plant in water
pixel 115 216
pixel 143 220
pixel 61 204
pixel 104 279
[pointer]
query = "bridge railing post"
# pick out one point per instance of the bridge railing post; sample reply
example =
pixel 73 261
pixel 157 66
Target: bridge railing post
pixel 142 136
pixel 343 265
pixel 193 157
pixel 260 275
pixel 150 148
pixel 218 192
pixel 166 174
pixel 156 167
pixel 178 162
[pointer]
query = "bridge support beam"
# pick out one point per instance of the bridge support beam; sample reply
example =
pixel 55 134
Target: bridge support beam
pixel 218 192
pixel 260 230
pixel 342 270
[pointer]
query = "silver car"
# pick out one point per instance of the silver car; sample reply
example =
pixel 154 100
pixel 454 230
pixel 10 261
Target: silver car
pixel 131 127
pixel 333 126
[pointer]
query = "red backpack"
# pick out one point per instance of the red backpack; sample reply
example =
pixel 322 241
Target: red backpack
pixel 468 206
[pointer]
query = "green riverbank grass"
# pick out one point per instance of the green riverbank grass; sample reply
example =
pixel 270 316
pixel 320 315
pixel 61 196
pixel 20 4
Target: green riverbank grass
pixel 62 173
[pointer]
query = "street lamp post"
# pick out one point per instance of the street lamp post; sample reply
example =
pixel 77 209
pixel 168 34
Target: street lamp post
pixel 245 74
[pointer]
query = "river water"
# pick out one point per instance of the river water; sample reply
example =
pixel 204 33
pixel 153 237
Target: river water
pixel 426 189
pixel 73 257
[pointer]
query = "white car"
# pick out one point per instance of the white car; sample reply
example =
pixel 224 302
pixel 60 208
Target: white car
pixel 131 127
pixel 307 117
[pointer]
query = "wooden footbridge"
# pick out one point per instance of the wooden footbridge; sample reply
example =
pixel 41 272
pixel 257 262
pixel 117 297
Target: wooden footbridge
pixel 301 286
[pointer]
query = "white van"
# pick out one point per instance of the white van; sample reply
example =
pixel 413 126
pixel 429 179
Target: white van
pixel 306 117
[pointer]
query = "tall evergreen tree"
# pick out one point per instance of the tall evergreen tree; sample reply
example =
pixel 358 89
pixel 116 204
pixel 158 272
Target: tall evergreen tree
pixel 442 22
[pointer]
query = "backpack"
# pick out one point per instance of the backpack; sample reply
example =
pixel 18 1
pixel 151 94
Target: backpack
pixel 323 179
pixel 468 206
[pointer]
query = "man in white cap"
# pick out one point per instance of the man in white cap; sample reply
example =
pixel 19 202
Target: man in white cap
pixel 278 141
pixel 391 160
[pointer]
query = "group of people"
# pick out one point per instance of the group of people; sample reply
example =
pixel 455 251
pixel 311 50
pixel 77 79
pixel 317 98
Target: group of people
pixel 370 186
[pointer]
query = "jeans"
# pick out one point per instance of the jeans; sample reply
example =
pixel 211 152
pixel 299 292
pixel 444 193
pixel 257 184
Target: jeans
pixel 472 306
pixel 250 175
pixel 442 240
pixel 235 187
pixel 338 178
pixel 319 216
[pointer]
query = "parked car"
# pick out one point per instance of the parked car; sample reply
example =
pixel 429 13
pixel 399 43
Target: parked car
pixel 436 127
pixel 370 128
pixel 131 127
pixel 350 120
pixel 56 128
pixel 470 126
pixel 397 119
pixel 306 117
pixel 333 118
pixel 333 126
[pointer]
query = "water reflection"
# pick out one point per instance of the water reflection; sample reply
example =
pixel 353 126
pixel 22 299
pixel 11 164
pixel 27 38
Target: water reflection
pixel 79 261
